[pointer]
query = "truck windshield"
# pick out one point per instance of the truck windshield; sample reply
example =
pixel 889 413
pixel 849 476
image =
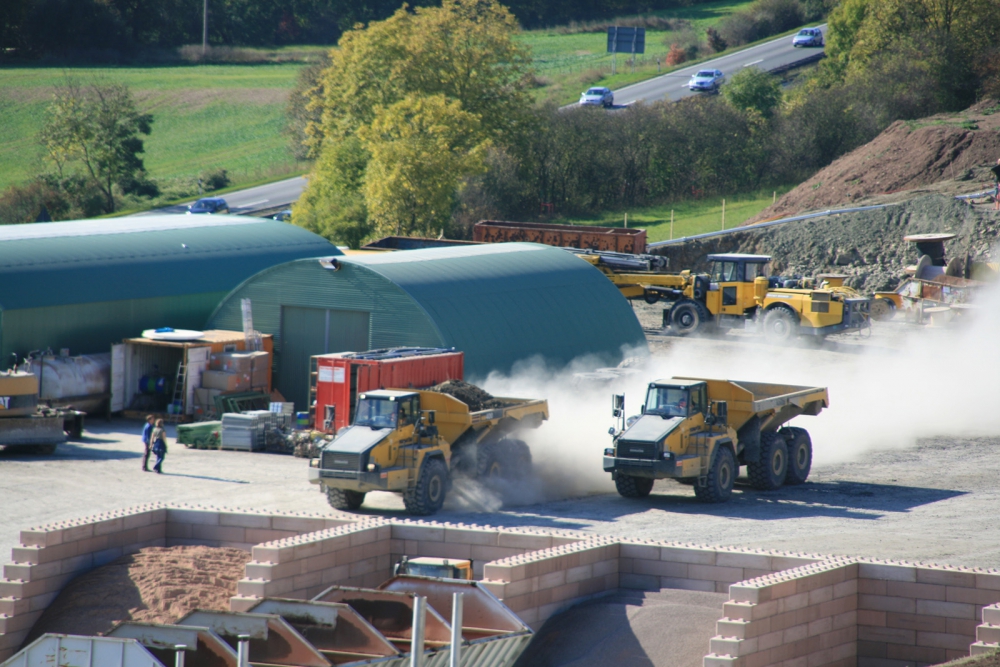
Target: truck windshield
pixel 667 401
pixel 377 413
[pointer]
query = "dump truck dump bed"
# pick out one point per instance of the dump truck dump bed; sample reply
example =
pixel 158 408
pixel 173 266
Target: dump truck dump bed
pixel 453 417
pixel 775 404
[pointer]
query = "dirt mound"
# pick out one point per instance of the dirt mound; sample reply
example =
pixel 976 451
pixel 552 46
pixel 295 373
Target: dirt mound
pixel 155 585
pixel 985 660
pixel 868 246
pixel 909 154
pixel 470 394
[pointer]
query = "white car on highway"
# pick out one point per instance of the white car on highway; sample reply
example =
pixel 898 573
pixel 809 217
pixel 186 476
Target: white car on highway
pixel 597 97
pixel 707 80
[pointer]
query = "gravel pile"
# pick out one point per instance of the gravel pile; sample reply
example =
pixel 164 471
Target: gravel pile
pixel 470 394
pixel 867 246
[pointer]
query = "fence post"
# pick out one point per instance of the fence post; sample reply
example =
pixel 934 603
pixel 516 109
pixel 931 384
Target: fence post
pixel 723 215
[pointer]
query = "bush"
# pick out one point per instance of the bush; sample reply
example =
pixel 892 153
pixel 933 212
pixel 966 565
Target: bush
pixel 760 20
pixel 25 203
pixel 215 179
pixel 752 89
pixel 675 56
pixel 715 40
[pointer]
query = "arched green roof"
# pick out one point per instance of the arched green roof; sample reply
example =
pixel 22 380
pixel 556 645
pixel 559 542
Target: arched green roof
pixel 142 257
pixel 498 303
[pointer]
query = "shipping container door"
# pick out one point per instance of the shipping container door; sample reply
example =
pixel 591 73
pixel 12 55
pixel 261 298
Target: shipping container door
pixel 306 332
pixel 117 378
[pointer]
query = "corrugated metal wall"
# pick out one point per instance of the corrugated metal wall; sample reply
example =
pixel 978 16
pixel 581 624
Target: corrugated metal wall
pixel 395 318
pixel 90 328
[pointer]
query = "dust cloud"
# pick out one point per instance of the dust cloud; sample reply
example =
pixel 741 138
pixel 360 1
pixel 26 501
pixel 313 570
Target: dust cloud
pixel 904 383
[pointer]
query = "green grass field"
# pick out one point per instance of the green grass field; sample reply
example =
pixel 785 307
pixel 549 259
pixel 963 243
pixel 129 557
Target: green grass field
pixel 690 217
pixel 204 117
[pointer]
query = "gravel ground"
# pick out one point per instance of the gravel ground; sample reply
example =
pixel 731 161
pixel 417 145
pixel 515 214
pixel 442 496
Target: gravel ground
pixel 919 498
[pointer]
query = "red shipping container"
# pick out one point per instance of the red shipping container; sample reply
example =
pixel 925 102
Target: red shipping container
pixel 584 237
pixel 341 376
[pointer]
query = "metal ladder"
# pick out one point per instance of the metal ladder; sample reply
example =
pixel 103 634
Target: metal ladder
pixel 178 397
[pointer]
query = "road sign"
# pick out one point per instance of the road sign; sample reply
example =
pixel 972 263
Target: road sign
pixel 626 40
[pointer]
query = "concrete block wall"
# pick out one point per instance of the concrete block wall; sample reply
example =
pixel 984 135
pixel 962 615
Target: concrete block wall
pixel 987 634
pixel 538 584
pixel 806 616
pixel 648 565
pixel 916 614
pixel 301 567
pixel 239 529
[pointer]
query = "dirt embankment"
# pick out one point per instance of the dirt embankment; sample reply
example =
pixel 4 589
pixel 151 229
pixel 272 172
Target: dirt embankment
pixel 154 585
pixel 867 246
pixel 957 147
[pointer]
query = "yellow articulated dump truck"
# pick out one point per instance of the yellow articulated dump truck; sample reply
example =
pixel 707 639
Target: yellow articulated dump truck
pixel 739 292
pixel 412 442
pixel 700 432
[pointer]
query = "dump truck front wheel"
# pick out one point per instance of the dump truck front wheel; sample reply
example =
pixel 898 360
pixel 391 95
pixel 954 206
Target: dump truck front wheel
pixel 633 487
pixel 344 499
pixel 427 495
pixel 769 470
pixel 780 324
pixel 720 478
pixel 800 454
pixel 687 316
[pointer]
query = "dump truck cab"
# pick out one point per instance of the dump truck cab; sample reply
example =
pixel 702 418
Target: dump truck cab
pixel 700 431
pixel 439 568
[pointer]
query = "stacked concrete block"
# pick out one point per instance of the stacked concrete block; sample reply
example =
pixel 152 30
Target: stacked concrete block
pixel 987 634
pixel 538 584
pixel 303 566
pixel 224 527
pixel 52 555
pixel 648 565
pixel 481 544
pixel 803 616
pixel 920 614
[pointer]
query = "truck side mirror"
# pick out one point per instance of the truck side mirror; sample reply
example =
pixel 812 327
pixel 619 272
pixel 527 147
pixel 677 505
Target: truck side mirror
pixel 720 412
pixel 617 404
pixel 430 416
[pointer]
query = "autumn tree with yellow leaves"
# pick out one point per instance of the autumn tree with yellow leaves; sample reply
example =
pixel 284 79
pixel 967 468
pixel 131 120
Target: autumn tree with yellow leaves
pixel 405 112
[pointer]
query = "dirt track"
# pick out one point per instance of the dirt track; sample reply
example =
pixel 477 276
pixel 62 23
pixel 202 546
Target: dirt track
pixel 932 501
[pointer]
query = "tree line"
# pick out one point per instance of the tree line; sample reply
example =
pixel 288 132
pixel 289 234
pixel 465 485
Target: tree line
pixel 52 27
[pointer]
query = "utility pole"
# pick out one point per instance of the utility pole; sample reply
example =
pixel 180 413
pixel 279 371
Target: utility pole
pixel 204 28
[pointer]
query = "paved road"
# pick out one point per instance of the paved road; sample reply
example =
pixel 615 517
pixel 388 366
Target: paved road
pixel 770 56
pixel 263 197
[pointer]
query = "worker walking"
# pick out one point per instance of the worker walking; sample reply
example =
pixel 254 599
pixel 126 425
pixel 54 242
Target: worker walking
pixel 996 186
pixel 147 442
pixel 159 438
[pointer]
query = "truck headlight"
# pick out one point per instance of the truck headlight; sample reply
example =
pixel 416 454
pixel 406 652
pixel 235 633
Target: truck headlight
pixel 667 456
pixel 609 451
pixel 372 467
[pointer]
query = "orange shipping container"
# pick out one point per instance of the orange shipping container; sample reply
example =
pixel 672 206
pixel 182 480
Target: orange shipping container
pixel 584 237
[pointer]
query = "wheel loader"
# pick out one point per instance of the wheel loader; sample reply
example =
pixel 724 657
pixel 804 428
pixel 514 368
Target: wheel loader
pixel 700 431
pixel 413 442
pixel 738 293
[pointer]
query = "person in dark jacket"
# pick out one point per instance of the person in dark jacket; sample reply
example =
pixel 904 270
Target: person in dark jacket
pixel 159 438
pixel 147 443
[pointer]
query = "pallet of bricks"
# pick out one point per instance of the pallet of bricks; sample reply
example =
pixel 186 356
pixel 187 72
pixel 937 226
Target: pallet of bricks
pixel 232 373
pixel 250 430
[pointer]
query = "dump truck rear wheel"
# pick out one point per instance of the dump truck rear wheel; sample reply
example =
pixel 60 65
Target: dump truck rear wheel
pixel 780 324
pixel 427 495
pixel 720 479
pixel 506 459
pixel 687 316
pixel 344 499
pixel 633 487
pixel 769 471
pixel 799 454
pixel 882 309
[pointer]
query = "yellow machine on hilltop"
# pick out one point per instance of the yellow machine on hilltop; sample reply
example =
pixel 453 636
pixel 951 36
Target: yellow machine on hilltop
pixel 700 431
pixel 738 292
pixel 411 442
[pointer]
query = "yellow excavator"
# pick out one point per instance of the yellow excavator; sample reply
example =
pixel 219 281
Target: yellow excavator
pixel 738 292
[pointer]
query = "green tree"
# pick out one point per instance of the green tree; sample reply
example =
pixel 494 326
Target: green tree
pixel 333 205
pixel 421 147
pixel 753 90
pixel 96 130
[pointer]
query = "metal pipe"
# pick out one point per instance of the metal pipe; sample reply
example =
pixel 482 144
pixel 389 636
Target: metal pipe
pixel 243 655
pixel 456 630
pixel 179 655
pixel 417 635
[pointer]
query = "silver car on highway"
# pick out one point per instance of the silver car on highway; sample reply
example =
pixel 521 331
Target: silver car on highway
pixel 707 80
pixel 597 96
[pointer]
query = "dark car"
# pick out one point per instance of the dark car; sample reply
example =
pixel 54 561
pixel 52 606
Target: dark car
pixel 209 205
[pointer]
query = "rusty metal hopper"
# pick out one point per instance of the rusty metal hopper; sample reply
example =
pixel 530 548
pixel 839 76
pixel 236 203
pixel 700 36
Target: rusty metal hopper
pixel 272 640
pixel 391 613
pixel 334 629
pixel 202 647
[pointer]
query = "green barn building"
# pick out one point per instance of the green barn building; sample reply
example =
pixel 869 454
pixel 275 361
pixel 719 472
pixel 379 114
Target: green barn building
pixel 497 303
pixel 85 284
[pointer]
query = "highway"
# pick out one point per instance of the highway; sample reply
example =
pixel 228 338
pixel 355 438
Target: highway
pixel 769 56
pixel 246 202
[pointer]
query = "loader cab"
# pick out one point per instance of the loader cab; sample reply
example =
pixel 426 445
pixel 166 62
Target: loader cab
pixel 732 289
pixel 386 408
pixel 676 398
